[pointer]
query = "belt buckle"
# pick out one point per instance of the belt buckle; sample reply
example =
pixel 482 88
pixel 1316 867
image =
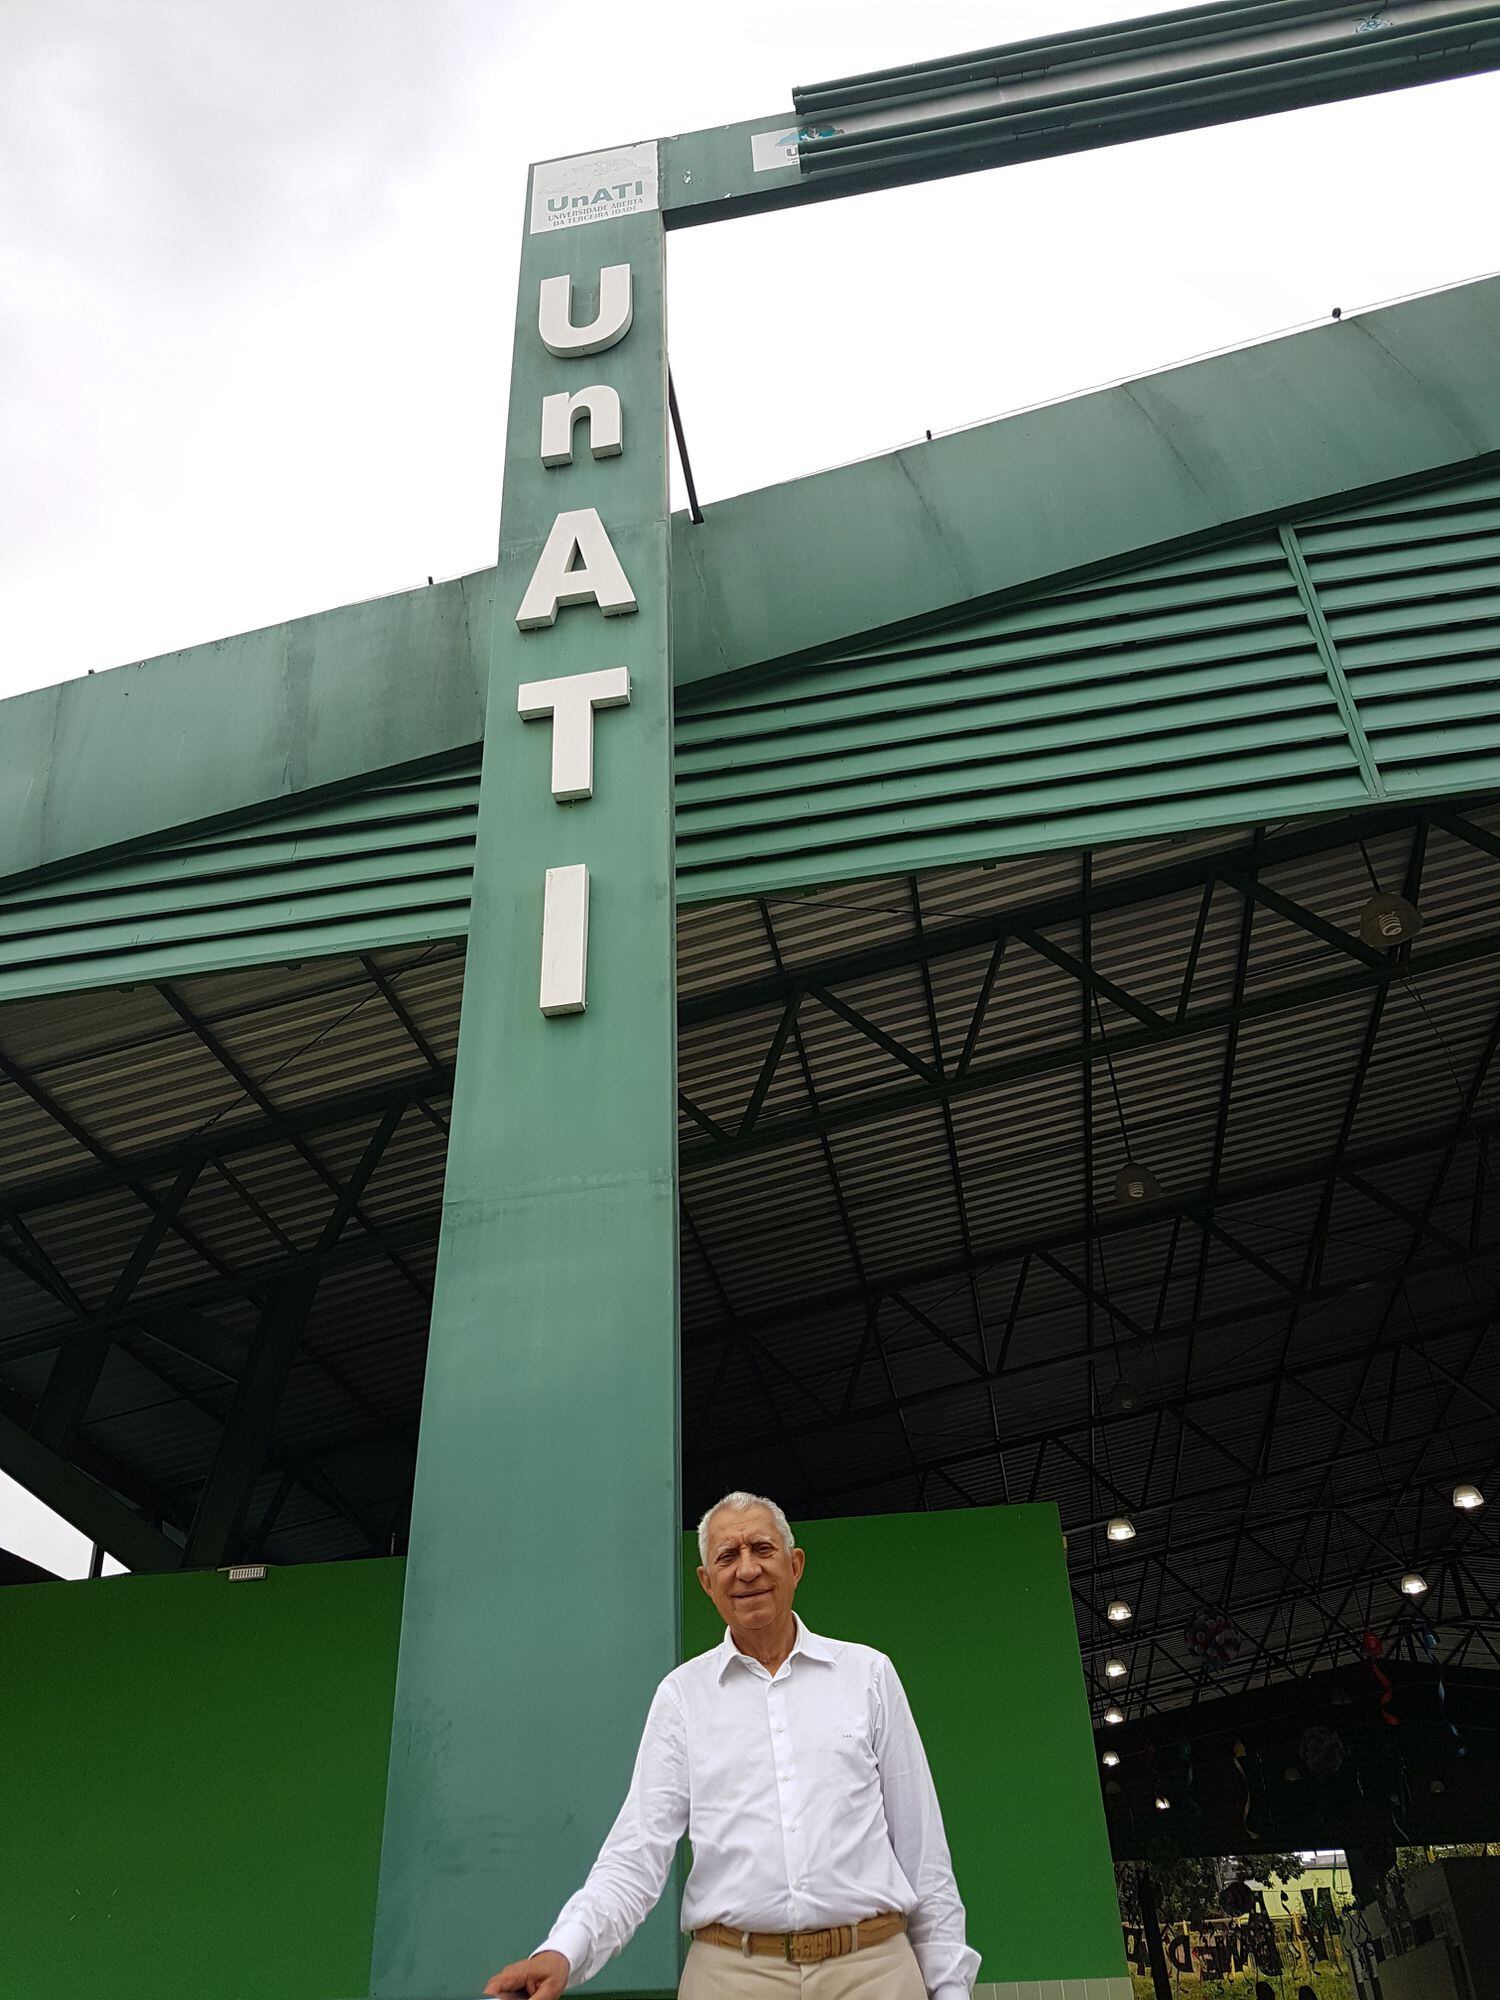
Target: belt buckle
pixel 786 1946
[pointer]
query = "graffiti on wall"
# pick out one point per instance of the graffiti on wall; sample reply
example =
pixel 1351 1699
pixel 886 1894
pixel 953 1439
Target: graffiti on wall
pixel 1296 1957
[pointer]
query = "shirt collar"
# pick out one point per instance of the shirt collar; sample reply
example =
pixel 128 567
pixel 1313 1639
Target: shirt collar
pixel 806 1643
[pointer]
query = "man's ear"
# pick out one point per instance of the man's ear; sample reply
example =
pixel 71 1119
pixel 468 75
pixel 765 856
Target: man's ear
pixel 799 1563
pixel 703 1579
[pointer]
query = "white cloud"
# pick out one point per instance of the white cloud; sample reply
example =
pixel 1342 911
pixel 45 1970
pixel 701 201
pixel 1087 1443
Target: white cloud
pixel 258 282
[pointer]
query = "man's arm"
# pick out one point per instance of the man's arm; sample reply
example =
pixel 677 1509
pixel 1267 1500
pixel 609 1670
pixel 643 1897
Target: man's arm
pixel 936 1925
pixel 631 1871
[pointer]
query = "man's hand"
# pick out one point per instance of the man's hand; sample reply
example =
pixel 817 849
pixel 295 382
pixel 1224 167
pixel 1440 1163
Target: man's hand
pixel 543 1976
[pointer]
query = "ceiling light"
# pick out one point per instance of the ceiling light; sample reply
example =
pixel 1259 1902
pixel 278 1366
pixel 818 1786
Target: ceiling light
pixel 1413 1585
pixel 1121 1530
pixel 1388 920
pixel 1118 1612
pixel 1467 1496
pixel 1135 1183
pixel 1163 1805
pixel 1113 1715
pixel 1110 1759
pixel 1116 1670
pixel 1120 1400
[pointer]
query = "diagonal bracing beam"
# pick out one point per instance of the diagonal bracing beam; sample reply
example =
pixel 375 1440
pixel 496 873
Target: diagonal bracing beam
pixel 84 1502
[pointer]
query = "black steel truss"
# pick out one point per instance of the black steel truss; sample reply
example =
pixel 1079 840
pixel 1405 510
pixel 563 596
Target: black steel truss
pixel 1205 1459
pixel 1303 1318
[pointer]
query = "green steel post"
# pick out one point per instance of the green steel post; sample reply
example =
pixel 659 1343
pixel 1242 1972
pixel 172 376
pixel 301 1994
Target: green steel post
pixel 542 1587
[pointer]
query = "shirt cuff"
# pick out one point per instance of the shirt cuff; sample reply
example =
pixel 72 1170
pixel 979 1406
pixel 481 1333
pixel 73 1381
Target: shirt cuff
pixel 573 1941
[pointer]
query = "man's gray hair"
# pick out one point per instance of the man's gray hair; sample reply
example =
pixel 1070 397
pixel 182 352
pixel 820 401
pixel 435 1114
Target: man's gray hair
pixel 738 1503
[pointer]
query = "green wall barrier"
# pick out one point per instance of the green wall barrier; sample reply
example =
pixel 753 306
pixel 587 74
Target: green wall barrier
pixel 192 1781
pixel 193 1771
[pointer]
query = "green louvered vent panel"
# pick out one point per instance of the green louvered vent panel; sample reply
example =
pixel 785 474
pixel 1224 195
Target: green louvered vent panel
pixel 1410 590
pixel 1178 695
pixel 388 866
pixel 1186 693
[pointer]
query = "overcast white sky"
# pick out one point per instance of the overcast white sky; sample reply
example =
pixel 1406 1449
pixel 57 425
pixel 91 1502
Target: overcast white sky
pixel 257 273
pixel 257 267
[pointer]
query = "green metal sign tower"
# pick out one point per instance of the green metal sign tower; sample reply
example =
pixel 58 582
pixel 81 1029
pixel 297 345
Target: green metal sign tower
pixel 542 1596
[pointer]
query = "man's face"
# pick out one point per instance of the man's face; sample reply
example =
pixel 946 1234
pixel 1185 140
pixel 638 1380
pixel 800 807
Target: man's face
pixel 749 1575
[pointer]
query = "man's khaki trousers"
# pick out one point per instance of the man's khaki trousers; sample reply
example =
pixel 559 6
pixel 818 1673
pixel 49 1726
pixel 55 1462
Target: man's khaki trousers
pixel 885 1971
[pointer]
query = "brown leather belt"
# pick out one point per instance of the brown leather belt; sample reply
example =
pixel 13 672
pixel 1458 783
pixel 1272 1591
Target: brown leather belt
pixel 805 1947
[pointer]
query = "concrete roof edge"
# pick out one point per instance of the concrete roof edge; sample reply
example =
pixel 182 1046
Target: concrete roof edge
pixel 789 571
pixel 213 731
pixel 200 736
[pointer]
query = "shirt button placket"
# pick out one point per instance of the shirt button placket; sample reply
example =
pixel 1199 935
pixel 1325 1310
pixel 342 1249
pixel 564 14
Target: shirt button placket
pixel 789 1799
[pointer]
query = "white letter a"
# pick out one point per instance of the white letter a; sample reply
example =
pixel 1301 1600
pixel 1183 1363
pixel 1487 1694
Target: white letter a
pixel 578 537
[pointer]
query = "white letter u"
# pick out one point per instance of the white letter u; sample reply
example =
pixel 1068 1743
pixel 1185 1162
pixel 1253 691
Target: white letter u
pixel 555 314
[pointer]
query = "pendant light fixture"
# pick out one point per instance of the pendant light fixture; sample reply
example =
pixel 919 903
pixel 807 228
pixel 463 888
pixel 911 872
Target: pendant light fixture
pixel 1135 1184
pixel 1388 920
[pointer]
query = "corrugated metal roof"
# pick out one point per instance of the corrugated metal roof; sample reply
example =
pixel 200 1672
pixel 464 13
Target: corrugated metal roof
pixel 907 1277
pixel 947 1272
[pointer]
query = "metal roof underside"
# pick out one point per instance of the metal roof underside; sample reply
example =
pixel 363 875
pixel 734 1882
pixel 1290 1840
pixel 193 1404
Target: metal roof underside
pixel 908 1281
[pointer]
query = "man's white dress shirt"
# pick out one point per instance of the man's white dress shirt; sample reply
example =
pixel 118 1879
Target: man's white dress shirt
pixel 807 1799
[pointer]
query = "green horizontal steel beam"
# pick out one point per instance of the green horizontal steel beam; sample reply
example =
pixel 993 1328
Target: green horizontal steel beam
pixel 1065 492
pixel 1068 93
pixel 1035 106
pixel 241 725
pixel 1235 32
pixel 1079 486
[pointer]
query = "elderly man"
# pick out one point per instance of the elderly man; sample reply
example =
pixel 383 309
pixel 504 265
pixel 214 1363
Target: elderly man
pixel 792 1763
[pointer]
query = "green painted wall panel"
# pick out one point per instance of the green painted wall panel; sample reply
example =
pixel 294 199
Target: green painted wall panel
pixel 194 1770
pixel 192 1779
